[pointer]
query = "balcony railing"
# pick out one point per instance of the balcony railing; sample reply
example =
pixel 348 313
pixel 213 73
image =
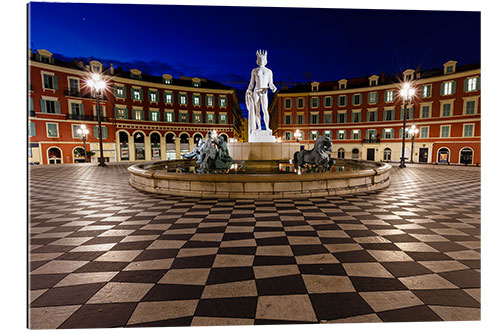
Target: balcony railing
pixel 85 117
pixel 75 93
pixel 370 141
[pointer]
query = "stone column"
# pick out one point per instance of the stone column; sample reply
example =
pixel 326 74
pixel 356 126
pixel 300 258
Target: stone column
pixel 163 148
pixel 131 147
pixel 147 147
pixel 191 143
pixel 177 147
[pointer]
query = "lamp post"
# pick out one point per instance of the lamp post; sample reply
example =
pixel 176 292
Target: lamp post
pixel 407 93
pixel 297 135
pixel 83 131
pixel 413 132
pixel 98 85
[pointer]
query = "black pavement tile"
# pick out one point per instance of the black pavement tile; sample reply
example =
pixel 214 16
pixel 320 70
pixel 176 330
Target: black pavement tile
pixel 322 269
pixel 362 284
pixel 280 322
pixel 474 264
pixel 302 250
pixel 104 240
pixel 100 316
pixel 463 278
pixel 406 268
pixel 283 285
pixel 80 256
pixel 403 238
pixel 339 305
pixel 354 256
pixel 447 246
pixel 156 254
pixel 380 246
pixel 70 295
pixel 272 241
pixel 250 250
pixel 273 260
pixel 102 266
pixel 200 244
pixel 230 274
pixel 176 322
pixel 428 256
pixel 151 276
pixel 447 297
pixel 44 281
pixel 194 262
pixel 131 246
pixel 412 314
pixel 238 307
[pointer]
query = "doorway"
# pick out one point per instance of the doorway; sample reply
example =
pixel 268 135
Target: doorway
pixel 370 154
pixel 466 156
pixel 423 155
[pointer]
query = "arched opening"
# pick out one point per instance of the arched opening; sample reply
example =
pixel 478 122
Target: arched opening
pixel 197 137
pixel 466 155
pixel 355 153
pixel 443 155
pixel 54 155
pixel 184 143
pixel 78 155
pixel 170 145
pixel 155 146
pixel 140 151
pixel 341 153
pixel 123 139
pixel 387 154
pixel 224 136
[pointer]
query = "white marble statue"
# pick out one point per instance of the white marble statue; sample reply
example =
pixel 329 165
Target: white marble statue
pixel 256 99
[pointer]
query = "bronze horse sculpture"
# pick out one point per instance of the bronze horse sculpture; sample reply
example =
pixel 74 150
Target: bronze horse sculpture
pixel 318 157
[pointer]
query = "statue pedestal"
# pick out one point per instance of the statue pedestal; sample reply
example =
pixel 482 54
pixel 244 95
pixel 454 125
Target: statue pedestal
pixel 258 151
pixel 261 136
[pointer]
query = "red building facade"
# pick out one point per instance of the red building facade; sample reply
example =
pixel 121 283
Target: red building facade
pixel 143 117
pixel 364 116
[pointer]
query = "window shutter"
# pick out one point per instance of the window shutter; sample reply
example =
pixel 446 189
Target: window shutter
pixel 360 98
pixel 114 91
pixel 116 112
pixel 142 115
pixel 376 97
pixel 478 83
pixel 58 107
pixel 42 105
pixel 56 85
pixel 32 129
pixel 124 91
pixel 421 91
pixel 104 132
pixel 466 84
pixel 32 108
pixel 141 94
pixel 338 100
pixel 385 98
pixel 384 116
pixel 454 87
pixel 149 95
pixel 37 57
pixel 442 89
pixel 52 60
pixel 96 132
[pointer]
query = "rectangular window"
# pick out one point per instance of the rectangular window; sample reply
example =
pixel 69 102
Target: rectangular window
pixel 288 119
pixel 210 100
pixel 288 103
pixel 49 81
pixel 341 118
pixel 373 97
pixel 73 86
pixel 52 130
pixel 328 101
pixel 183 117
pixel 136 94
pixel 342 101
pixel 389 115
pixel 314 135
pixel 182 99
pixel 371 135
pixel 121 113
pixel 327 118
pixel 314 102
pixel 155 116
pixel 300 119
pixel 356 117
pixel 314 118
pixel 449 69
pixel 300 103
pixel 222 118
pixel 138 114
pixel 153 96
pixel 328 134
pixel 425 113
pixel 196 100
pixel 356 99
pixel 31 129
pixel 76 109
pixel 222 101
pixel 446 110
pixel 75 129
pixel 471 84
pixel 445 131
pixel 197 118
pixel 341 135
pixel 388 133
pixel 470 107
pixel 424 132
pixel 169 98
pixel 169 117
pixel 49 106
pixel 288 135
pixel 356 135
pixel 210 118
pixel 407 133
pixel 389 96
pixel 372 116
pixel 425 91
pixel 468 130
pixel 104 132
pixel 448 88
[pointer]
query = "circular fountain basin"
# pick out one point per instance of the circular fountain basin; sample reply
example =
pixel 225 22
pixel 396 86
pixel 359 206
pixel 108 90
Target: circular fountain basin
pixel 259 179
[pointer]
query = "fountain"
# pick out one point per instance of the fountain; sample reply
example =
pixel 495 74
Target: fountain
pixel 261 168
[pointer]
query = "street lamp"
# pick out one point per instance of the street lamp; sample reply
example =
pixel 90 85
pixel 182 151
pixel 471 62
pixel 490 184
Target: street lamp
pixel 83 131
pixel 297 135
pixel 97 84
pixel 413 132
pixel 407 93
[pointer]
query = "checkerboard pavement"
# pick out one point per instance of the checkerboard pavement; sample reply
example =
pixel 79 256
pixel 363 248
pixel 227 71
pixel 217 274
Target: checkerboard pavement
pixel 103 254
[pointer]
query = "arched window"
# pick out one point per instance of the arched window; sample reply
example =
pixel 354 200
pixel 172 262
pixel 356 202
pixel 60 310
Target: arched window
pixel 340 153
pixel 140 150
pixel 224 136
pixel 355 153
pixel 170 145
pixel 54 155
pixel 466 155
pixel 443 155
pixel 124 152
pixel 78 155
pixel 184 143
pixel 197 137
pixel 387 154
pixel 155 146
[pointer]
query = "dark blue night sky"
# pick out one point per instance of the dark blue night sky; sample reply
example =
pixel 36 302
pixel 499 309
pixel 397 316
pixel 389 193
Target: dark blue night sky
pixel 219 43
